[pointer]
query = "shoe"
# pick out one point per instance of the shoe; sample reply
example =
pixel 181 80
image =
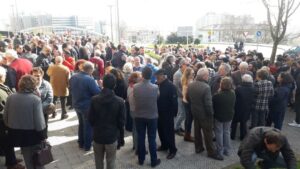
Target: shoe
pixel 198 151
pixel 17 166
pixel 260 164
pixel 181 130
pixel 216 157
pixel 171 156
pixel 156 163
pixel 294 124
pixel 71 108
pixel 18 160
pixel 179 133
pixel 64 116
pixel 161 149
pixel 141 162
pixel 188 137
pixel 226 153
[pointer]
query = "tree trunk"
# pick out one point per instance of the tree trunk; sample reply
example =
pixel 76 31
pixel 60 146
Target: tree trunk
pixel 274 50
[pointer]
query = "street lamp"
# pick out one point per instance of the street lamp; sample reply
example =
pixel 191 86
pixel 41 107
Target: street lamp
pixel 111 23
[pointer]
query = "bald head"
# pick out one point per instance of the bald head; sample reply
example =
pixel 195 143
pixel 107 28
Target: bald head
pixel 59 60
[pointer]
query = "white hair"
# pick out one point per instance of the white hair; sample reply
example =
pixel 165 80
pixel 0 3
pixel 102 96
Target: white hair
pixel 243 65
pixel 227 67
pixel 59 59
pixel 201 73
pixel 247 78
pixel 11 53
pixel 2 71
pixel 128 68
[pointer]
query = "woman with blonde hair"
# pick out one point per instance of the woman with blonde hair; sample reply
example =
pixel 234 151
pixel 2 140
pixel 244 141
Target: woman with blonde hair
pixel 187 78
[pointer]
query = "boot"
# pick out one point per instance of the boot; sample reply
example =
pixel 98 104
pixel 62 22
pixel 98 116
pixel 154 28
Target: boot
pixel 188 137
pixel 17 166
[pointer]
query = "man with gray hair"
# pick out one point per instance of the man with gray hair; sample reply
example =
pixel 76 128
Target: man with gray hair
pixel 237 75
pixel 200 98
pixel 83 88
pixel 224 70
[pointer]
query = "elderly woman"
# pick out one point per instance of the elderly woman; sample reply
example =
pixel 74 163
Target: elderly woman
pixel 9 153
pixel 223 104
pixel 245 94
pixel 25 122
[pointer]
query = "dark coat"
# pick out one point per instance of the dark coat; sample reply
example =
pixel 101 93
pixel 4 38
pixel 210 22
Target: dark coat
pixel 254 143
pixel 245 95
pixel 121 89
pixel 117 60
pixel 223 103
pixel 167 101
pixel 280 100
pixel 106 116
pixel 199 95
pixel 169 69
pixel 237 77
pixel 44 62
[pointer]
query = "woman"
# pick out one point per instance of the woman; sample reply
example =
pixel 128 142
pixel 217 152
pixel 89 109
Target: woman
pixel 187 78
pixel 280 100
pixel 10 158
pixel 121 91
pixel 25 122
pixel 223 104
pixel 245 97
pixel 133 79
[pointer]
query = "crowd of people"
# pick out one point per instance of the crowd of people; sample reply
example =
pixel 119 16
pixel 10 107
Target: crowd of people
pixel 113 89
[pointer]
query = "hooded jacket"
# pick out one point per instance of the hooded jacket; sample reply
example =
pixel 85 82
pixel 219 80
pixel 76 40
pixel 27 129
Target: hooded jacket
pixel 106 116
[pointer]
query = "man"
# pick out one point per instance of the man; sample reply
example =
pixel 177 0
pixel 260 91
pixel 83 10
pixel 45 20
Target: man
pixel 266 143
pixel 107 117
pixel 19 50
pixel 181 111
pixel 44 60
pixel 167 109
pixel 28 55
pixel 263 93
pixel 119 58
pixel 145 95
pixel 296 122
pixel 45 92
pixel 200 98
pixel 137 67
pixel 19 65
pixel 59 79
pixel 224 70
pixel 83 87
pixel 149 63
pixel 237 75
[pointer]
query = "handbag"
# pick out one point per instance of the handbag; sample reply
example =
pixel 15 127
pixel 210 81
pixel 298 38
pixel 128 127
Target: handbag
pixel 43 155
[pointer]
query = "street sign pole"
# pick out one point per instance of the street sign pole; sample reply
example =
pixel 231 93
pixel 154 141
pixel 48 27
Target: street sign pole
pixel 258 34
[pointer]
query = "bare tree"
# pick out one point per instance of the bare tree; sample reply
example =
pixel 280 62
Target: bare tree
pixel 278 19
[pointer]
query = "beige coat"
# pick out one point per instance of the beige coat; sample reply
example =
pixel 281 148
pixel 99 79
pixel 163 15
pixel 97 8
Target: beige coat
pixel 59 79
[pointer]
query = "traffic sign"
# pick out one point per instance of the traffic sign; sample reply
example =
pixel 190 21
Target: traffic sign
pixel 246 34
pixel 258 33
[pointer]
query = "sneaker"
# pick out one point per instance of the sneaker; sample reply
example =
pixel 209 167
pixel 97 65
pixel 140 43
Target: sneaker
pixel 294 124
pixel 216 157
pixel 179 133
pixel 64 116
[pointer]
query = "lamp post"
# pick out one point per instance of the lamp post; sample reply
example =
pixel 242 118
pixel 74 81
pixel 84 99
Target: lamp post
pixel 118 22
pixel 111 23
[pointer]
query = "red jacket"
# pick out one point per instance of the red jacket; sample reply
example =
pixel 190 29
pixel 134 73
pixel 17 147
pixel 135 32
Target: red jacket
pixel 22 67
pixel 69 62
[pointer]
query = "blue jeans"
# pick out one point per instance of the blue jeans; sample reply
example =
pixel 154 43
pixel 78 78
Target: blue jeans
pixel 84 130
pixel 269 162
pixel 150 125
pixel 222 132
pixel 180 115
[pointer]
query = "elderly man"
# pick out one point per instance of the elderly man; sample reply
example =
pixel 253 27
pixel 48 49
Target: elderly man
pixel 267 144
pixel 167 110
pixel 224 70
pixel 44 60
pixel 181 112
pixel 237 75
pixel 145 95
pixel 59 79
pixel 199 95
pixel 19 65
pixel 83 88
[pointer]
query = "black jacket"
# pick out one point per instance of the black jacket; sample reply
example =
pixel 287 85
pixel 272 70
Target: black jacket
pixel 245 98
pixel 254 143
pixel 106 116
pixel 167 101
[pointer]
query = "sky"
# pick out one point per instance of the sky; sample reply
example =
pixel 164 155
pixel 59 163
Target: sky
pixel 163 15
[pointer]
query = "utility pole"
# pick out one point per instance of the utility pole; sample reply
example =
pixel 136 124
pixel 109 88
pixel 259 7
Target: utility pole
pixel 118 22
pixel 14 19
pixel 111 24
pixel 17 17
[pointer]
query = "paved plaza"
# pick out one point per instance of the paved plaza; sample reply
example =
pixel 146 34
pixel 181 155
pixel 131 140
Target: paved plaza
pixel 63 137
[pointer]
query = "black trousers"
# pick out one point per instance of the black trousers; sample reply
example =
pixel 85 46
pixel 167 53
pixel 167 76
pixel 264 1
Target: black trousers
pixel 62 103
pixel 188 118
pixel 243 127
pixel 166 133
pixel 9 152
pixel 297 108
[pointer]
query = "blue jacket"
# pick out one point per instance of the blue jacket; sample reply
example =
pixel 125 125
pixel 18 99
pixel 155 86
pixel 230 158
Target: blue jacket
pixel 280 100
pixel 154 69
pixel 83 87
